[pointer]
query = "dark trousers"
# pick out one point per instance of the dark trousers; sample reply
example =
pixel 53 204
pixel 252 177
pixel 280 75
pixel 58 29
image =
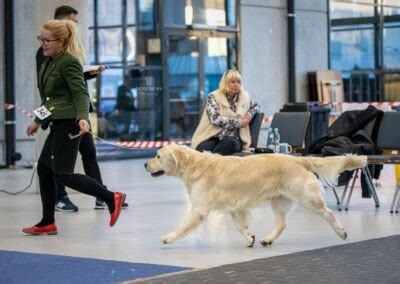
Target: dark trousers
pixel 89 160
pixel 57 163
pixel 225 146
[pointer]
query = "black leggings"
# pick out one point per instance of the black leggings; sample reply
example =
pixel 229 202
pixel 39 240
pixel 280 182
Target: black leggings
pixel 225 146
pixel 89 161
pixel 57 162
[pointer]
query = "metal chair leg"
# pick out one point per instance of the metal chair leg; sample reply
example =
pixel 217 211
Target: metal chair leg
pixel 345 191
pixel 370 184
pixel 351 191
pixel 395 199
pixel 336 195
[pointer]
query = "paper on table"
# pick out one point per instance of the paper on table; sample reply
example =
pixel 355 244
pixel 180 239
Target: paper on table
pixel 88 68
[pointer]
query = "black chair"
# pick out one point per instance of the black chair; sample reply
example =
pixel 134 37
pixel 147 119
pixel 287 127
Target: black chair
pixel 255 126
pixel 370 129
pixel 389 142
pixel 292 127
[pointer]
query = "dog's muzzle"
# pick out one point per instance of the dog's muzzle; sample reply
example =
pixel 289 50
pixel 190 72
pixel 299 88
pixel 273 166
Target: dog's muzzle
pixel 156 174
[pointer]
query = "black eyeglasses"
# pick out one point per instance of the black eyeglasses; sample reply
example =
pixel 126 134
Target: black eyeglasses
pixel 45 41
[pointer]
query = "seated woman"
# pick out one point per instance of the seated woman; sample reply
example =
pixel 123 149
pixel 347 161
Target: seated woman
pixel 224 125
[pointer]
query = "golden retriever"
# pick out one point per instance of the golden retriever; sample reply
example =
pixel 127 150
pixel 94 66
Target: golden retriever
pixel 237 184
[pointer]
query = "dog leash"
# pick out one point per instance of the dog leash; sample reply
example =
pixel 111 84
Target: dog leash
pixel 99 138
pixel 71 136
pixel 35 168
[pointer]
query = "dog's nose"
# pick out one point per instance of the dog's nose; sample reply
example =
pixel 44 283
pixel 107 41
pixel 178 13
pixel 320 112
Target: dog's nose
pixel 145 165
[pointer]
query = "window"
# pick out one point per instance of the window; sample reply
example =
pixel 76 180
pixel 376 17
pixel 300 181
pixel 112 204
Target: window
pixel 118 35
pixel 391 46
pixel 391 7
pixel 364 45
pixel 351 9
pixel 352 48
pixel 200 12
pixel 146 11
pixel 109 13
pixel 158 76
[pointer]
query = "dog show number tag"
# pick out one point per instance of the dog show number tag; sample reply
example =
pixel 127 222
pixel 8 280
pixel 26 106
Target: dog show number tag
pixel 42 112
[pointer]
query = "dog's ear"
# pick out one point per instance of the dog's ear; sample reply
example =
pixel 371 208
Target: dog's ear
pixel 180 158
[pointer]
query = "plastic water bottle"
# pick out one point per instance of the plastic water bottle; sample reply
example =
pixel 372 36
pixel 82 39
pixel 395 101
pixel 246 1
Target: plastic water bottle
pixel 270 139
pixel 277 140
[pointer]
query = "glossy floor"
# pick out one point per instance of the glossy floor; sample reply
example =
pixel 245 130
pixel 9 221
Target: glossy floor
pixel 156 207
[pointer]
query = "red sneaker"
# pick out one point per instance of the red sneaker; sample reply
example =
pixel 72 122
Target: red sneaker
pixel 119 199
pixel 46 230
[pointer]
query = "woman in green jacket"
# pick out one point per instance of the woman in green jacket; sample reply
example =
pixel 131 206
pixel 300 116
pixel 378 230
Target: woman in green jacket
pixel 66 100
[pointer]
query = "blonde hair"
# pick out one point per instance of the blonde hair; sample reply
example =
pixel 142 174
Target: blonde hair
pixel 226 78
pixel 70 33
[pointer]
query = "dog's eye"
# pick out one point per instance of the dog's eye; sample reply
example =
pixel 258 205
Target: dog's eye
pixel 158 157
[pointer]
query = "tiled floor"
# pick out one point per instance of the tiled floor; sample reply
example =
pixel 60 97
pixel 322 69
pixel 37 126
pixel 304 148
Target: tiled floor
pixel 156 207
pixel 372 261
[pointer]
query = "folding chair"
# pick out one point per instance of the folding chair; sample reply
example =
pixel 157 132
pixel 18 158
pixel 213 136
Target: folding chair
pixel 369 129
pixel 389 143
pixel 370 184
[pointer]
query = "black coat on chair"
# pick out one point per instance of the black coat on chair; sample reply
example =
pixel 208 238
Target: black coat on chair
pixel 348 135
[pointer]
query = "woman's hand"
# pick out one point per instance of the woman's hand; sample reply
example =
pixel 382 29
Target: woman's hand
pixel 246 120
pixel 32 128
pixel 84 126
pixel 96 73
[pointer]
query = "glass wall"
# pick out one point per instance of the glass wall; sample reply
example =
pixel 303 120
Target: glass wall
pixel 128 94
pixel 163 59
pixel 183 68
pixel 200 12
pixel 202 37
pixel 195 66
pixel 364 45
pixel 352 47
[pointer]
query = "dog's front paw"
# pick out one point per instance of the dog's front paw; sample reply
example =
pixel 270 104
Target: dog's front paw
pixel 266 242
pixel 250 241
pixel 342 234
pixel 168 239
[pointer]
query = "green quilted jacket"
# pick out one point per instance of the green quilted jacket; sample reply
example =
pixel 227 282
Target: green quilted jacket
pixel 62 88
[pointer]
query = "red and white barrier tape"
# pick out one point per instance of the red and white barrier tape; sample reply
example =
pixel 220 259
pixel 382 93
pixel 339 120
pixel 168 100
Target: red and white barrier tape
pixel 149 144
pixel 159 144
pixel 267 119
pixel 8 106
pixel 128 144
pixel 362 103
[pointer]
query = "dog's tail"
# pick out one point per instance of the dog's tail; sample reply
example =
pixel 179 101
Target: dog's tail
pixel 331 167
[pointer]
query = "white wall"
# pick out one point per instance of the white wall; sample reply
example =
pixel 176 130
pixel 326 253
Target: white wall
pixel 264 52
pixel 264 49
pixel 311 42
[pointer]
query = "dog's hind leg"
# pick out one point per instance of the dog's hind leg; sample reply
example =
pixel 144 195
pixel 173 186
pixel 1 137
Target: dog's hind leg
pixel 310 196
pixel 192 219
pixel 281 207
pixel 240 221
